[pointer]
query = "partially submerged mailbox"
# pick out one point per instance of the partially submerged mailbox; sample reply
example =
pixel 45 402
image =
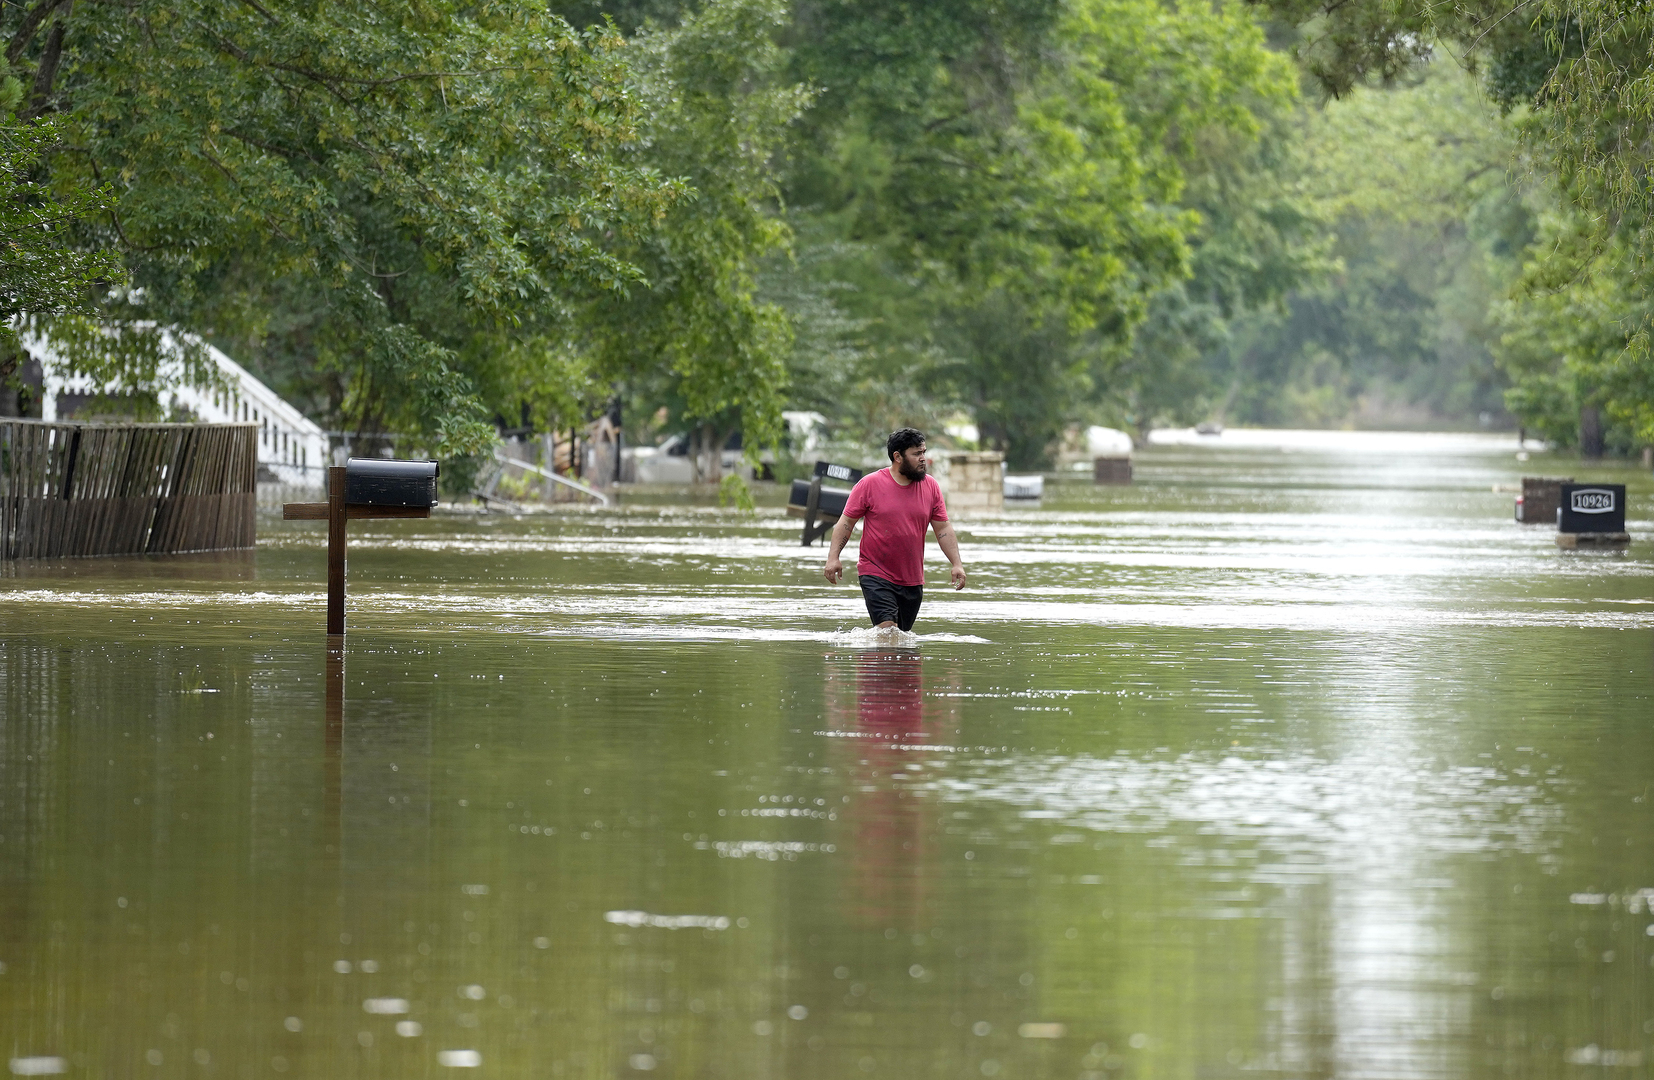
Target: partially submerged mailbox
pixel 382 482
pixel 821 506
pixel 1592 515
pixel 1541 497
pixel 364 488
pixel 830 502
pixel 1111 470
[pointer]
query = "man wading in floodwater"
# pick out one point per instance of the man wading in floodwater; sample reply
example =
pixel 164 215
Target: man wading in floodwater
pixel 897 504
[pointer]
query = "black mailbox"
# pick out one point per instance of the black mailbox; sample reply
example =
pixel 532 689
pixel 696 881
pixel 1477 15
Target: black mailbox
pixel 830 504
pixel 389 482
pixel 1592 508
pixel 821 506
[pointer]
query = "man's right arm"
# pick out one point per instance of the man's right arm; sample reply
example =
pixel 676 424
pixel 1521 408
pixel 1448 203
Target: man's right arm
pixel 841 536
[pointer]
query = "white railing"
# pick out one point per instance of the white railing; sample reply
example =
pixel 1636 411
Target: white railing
pixel 602 499
pixel 290 446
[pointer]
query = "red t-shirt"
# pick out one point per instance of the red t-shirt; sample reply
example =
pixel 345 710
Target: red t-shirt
pixel 894 519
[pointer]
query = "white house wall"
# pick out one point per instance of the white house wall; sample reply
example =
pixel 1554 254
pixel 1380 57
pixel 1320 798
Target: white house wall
pixel 291 446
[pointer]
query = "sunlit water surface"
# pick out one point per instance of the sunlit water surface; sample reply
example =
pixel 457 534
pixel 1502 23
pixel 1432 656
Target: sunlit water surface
pixel 1299 757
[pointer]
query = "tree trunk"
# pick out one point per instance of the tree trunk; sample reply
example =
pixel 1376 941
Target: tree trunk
pixel 713 446
pixel 1590 432
pixel 26 30
pixel 46 74
pixel 619 436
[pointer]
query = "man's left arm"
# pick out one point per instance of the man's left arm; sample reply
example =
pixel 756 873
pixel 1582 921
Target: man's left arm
pixel 949 543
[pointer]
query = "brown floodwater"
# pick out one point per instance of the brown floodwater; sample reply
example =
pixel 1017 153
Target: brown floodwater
pixel 1299 757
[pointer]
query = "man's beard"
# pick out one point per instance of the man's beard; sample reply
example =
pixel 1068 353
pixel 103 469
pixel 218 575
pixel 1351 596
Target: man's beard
pixel 912 472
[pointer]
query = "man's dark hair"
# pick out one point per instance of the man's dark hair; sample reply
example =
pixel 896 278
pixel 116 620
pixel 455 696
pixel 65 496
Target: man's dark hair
pixel 903 439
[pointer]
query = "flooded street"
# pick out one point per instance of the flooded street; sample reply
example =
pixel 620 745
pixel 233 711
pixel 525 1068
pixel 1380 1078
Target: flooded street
pixel 1298 757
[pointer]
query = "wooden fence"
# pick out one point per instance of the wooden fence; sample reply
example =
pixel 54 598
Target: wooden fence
pixel 70 490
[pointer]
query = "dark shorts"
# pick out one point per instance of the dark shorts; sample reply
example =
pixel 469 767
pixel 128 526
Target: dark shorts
pixel 888 602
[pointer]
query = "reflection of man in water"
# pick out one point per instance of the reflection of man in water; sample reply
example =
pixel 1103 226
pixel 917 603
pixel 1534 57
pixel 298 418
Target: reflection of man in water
pixel 890 862
pixel 897 505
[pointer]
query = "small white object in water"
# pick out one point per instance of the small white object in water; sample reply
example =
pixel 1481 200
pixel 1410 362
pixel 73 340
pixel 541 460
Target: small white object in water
pixel 408 1029
pixel 459 1059
pixel 1024 487
pixel 38 1066
pixel 342 966
pixel 1042 1031
pixel 1107 442
pixel 385 1006
pixel 667 922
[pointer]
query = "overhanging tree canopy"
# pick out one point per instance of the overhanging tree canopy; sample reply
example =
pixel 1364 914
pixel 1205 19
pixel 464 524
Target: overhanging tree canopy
pixel 416 197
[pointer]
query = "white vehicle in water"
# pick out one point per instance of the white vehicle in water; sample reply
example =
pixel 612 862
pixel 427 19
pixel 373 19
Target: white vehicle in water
pixel 669 463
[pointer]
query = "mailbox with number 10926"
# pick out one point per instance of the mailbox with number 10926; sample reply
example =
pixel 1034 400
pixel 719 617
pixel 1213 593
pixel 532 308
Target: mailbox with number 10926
pixel 1591 508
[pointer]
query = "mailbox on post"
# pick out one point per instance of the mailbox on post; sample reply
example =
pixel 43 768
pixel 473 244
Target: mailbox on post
pixel 364 488
pixel 821 506
pixel 382 482
pixel 1592 515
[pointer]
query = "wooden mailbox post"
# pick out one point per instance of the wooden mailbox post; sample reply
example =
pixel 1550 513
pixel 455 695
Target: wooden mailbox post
pixel 364 488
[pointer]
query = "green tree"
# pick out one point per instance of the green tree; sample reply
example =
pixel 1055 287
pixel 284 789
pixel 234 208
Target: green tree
pixel 1260 237
pixel 1575 76
pixel 1574 340
pixel 416 198
pixel 1581 66
pixel 1427 229
pixel 43 270
pixel 1008 206
pixel 699 339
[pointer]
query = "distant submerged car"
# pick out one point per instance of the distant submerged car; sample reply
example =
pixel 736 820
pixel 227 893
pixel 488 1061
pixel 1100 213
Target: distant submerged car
pixel 669 462
pixel 1107 442
pixel 1209 427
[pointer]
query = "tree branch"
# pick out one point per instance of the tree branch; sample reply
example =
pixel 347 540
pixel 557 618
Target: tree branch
pixel 329 79
pixel 1495 24
pixel 46 73
pixel 260 9
pixel 271 148
pixel 31 24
